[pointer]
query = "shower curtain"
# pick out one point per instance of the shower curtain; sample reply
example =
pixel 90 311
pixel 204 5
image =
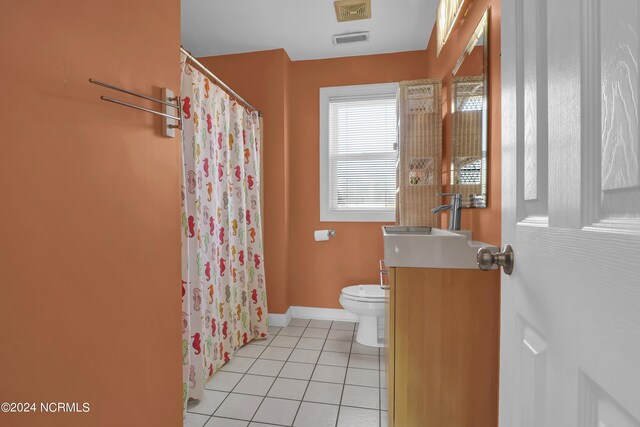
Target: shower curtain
pixel 224 302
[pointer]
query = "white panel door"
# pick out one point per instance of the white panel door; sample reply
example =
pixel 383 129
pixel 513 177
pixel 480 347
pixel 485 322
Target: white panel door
pixel 570 326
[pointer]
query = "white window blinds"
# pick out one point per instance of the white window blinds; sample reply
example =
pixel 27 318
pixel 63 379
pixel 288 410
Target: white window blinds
pixel 362 154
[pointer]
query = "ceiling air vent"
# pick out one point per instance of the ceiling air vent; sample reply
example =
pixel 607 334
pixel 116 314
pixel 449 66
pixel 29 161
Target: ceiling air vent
pixel 352 10
pixel 339 39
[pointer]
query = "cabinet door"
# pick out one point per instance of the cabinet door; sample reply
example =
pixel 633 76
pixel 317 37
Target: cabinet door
pixel 446 340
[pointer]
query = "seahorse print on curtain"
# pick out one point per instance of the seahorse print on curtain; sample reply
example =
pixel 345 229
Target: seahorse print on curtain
pixel 224 303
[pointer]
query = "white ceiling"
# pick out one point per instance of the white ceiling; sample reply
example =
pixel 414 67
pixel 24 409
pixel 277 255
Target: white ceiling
pixel 304 28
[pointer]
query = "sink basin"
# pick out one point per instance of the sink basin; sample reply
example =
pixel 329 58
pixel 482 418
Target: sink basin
pixel 426 247
pixel 399 229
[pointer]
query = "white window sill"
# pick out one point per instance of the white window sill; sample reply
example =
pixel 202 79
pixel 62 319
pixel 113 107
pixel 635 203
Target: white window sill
pixel 355 216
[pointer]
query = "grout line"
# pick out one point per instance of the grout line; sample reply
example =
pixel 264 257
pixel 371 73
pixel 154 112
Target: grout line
pixel 291 400
pixel 345 376
pixel 230 392
pixel 312 372
pixel 298 379
pixel 277 376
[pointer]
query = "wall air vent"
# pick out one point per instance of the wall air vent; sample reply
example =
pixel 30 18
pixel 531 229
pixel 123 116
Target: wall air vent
pixel 339 39
pixel 352 10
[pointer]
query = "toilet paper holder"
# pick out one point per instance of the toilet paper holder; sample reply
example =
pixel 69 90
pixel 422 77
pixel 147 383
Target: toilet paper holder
pixel 323 235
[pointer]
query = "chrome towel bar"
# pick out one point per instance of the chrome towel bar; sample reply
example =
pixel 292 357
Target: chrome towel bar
pixel 170 122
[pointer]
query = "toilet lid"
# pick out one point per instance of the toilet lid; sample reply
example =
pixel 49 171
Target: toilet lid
pixel 364 292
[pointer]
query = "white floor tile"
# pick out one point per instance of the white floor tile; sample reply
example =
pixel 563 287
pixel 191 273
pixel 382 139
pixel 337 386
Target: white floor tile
pixel 344 326
pixel 364 361
pixel 287 388
pixel 277 411
pixel 337 334
pixel 210 401
pixel 357 417
pixel 276 353
pixel 266 367
pixel 310 343
pixel 299 322
pixel 383 363
pixel 238 364
pixel 195 420
pixel 322 324
pixel 223 381
pixel 383 379
pixel 315 333
pixel 299 371
pixel 304 356
pixel 323 393
pixel 384 419
pixel 333 359
pixel 262 341
pixel 330 374
pixel 338 346
pixel 284 341
pixel 250 351
pixel 274 330
pixel 361 397
pixel 384 399
pixel 316 415
pixel 291 331
pixel 226 422
pixel 239 406
pixel 358 348
pixel 363 377
pixel 254 384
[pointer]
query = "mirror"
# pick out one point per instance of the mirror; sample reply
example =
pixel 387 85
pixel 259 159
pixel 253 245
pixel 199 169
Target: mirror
pixel 469 120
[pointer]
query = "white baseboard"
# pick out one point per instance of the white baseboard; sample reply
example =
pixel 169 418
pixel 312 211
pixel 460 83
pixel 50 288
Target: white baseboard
pixel 279 320
pixel 314 313
pixel 318 313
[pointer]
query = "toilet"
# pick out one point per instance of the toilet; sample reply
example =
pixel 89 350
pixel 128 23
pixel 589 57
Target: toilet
pixel 366 302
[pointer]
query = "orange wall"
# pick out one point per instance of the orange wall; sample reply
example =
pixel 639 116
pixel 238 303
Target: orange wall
pixel 301 271
pixel 319 270
pixel 485 223
pixel 473 64
pixel 89 224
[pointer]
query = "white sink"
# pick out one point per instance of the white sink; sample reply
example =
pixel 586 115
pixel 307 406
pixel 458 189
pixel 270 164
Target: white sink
pixel 425 247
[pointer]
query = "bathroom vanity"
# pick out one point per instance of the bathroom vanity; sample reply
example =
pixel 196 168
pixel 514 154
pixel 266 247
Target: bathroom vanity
pixel 442 330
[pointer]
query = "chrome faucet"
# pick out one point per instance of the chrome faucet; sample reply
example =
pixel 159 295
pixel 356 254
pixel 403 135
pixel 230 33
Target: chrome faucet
pixel 454 208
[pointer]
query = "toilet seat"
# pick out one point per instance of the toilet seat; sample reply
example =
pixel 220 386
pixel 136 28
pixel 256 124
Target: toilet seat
pixel 364 293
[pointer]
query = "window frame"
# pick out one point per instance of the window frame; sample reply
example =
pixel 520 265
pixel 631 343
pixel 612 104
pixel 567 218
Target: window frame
pixel 326 95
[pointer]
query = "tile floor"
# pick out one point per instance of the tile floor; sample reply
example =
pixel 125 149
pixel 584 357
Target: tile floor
pixel 308 374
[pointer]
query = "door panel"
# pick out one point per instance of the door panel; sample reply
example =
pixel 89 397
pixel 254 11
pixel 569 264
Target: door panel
pixel 570 324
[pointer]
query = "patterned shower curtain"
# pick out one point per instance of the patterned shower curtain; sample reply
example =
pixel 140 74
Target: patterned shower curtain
pixel 224 302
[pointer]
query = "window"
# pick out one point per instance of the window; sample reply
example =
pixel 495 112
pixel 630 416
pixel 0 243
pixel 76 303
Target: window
pixel 358 139
pixel 446 14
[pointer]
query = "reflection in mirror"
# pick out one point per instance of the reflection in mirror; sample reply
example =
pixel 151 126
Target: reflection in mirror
pixel 469 120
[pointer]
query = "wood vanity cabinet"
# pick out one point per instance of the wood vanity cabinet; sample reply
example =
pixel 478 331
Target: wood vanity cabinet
pixel 442 332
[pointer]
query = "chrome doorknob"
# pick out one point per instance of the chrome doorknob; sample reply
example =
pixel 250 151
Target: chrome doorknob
pixel 505 259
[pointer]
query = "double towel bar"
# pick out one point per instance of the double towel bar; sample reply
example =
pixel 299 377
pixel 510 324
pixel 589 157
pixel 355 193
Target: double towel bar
pixel 170 122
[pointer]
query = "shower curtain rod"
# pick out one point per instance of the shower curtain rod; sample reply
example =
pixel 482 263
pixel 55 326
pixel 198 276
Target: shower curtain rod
pixel 217 80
